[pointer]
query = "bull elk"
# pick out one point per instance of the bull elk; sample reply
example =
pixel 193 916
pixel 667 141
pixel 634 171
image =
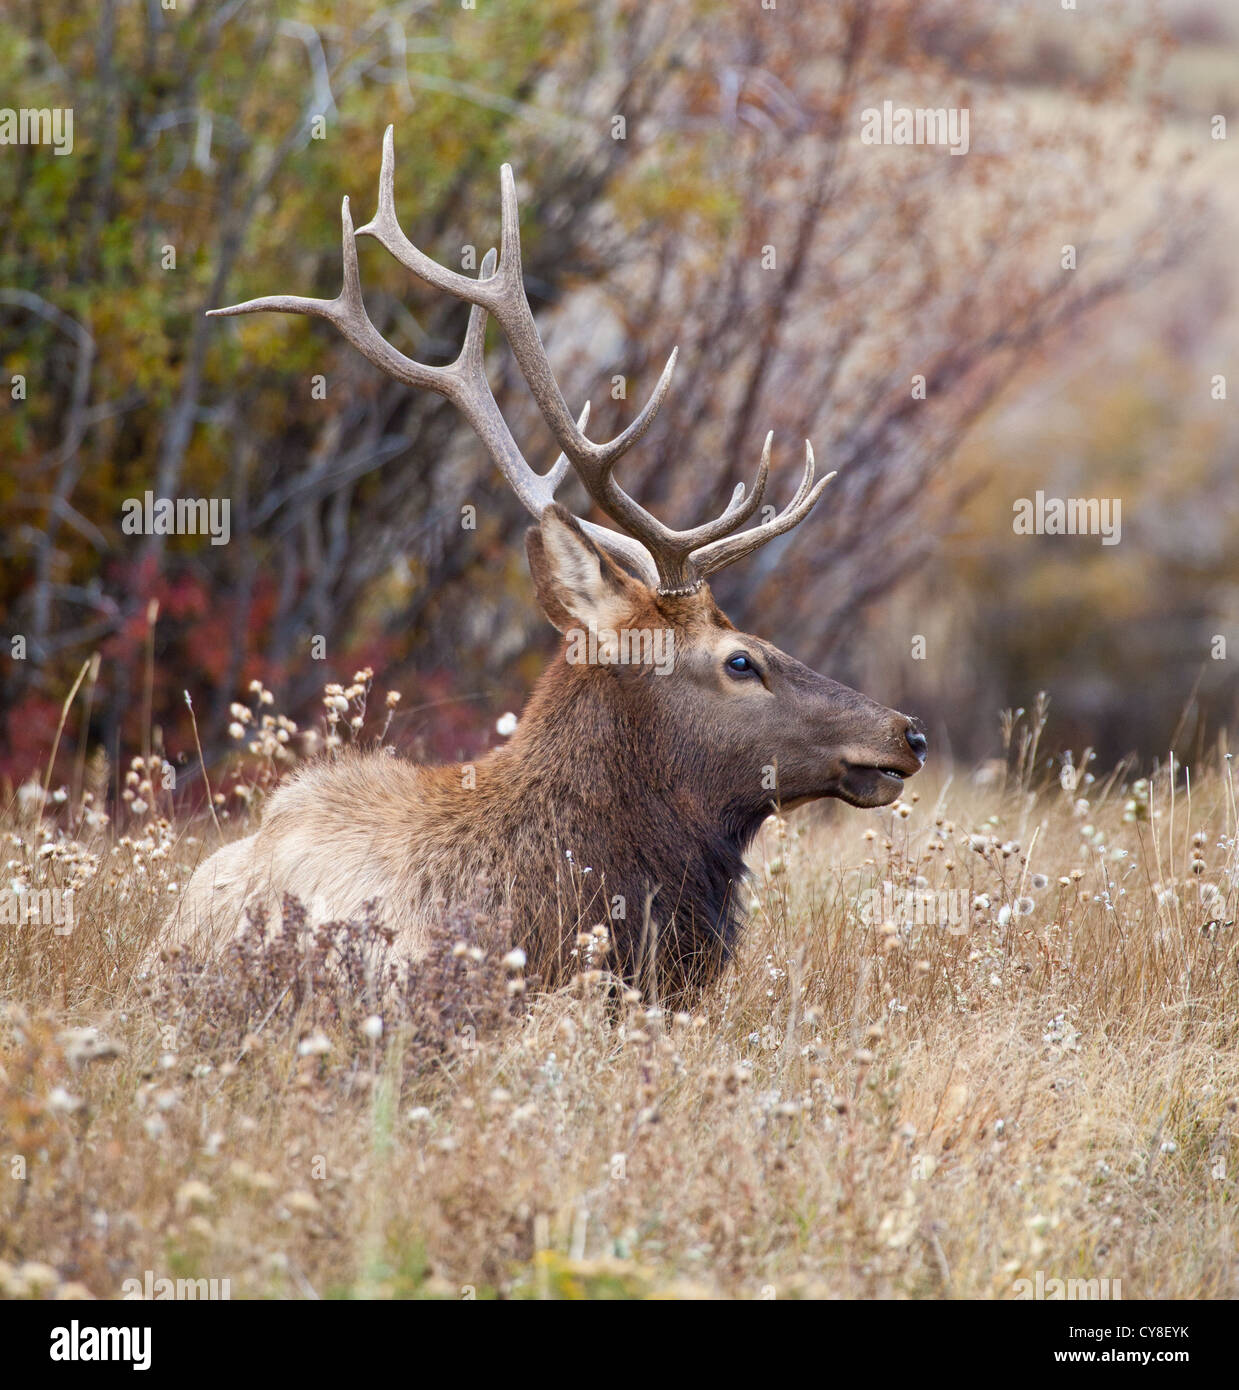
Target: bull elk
pixel 634 783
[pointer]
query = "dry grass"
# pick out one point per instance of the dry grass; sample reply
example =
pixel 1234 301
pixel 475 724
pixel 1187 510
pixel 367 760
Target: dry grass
pixel 864 1108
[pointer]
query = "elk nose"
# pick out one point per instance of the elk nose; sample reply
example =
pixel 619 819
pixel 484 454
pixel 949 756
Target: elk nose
pixel 917 741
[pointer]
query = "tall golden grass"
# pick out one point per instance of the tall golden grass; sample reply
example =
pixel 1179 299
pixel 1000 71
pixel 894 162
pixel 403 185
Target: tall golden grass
pixel 1020 1056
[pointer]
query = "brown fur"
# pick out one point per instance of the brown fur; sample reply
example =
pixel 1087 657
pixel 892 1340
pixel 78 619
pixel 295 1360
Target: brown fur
pixel 626 796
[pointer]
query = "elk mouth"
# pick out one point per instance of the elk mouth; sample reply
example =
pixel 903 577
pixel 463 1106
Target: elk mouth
pixel 867 785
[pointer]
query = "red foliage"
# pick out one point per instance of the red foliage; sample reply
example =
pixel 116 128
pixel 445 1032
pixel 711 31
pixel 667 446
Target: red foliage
pixel 29 728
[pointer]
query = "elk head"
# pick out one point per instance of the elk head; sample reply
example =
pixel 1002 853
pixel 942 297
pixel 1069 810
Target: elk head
pixel 726 717
pixel 730 722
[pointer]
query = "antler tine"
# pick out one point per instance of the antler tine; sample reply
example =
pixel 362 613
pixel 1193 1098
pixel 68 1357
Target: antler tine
pixel 685 558
pixel 538 491
pixel 463 382
pixel 385 228
pixel 347 311
pixel 330 309
pixel 473 350
pixel 729 549
pixel 503 294
pixel 629 550
pixel 739 508
pixel 806 481
pixel 677 561
pixel 673 550
pixel 559 468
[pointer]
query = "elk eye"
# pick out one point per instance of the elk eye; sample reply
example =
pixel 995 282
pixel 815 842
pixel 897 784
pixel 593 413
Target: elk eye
pixel 740 665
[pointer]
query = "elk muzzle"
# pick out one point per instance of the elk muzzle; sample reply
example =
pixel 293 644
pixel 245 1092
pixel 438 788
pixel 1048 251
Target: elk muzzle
pixel 874 776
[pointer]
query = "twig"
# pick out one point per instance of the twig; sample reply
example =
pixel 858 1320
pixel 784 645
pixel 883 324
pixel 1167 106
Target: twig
pixel 202 762
pixel 148 681
pixel 79 774
pixel 64 714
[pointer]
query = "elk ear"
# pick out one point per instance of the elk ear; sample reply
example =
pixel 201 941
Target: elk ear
pixel 576 583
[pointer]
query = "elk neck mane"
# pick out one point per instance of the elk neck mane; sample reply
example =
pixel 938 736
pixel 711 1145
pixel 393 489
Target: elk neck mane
pixel 596 763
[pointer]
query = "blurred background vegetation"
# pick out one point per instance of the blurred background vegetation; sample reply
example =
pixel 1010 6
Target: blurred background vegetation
pixel 229 132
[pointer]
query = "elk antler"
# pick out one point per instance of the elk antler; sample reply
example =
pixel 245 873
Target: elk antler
pixel 675 561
